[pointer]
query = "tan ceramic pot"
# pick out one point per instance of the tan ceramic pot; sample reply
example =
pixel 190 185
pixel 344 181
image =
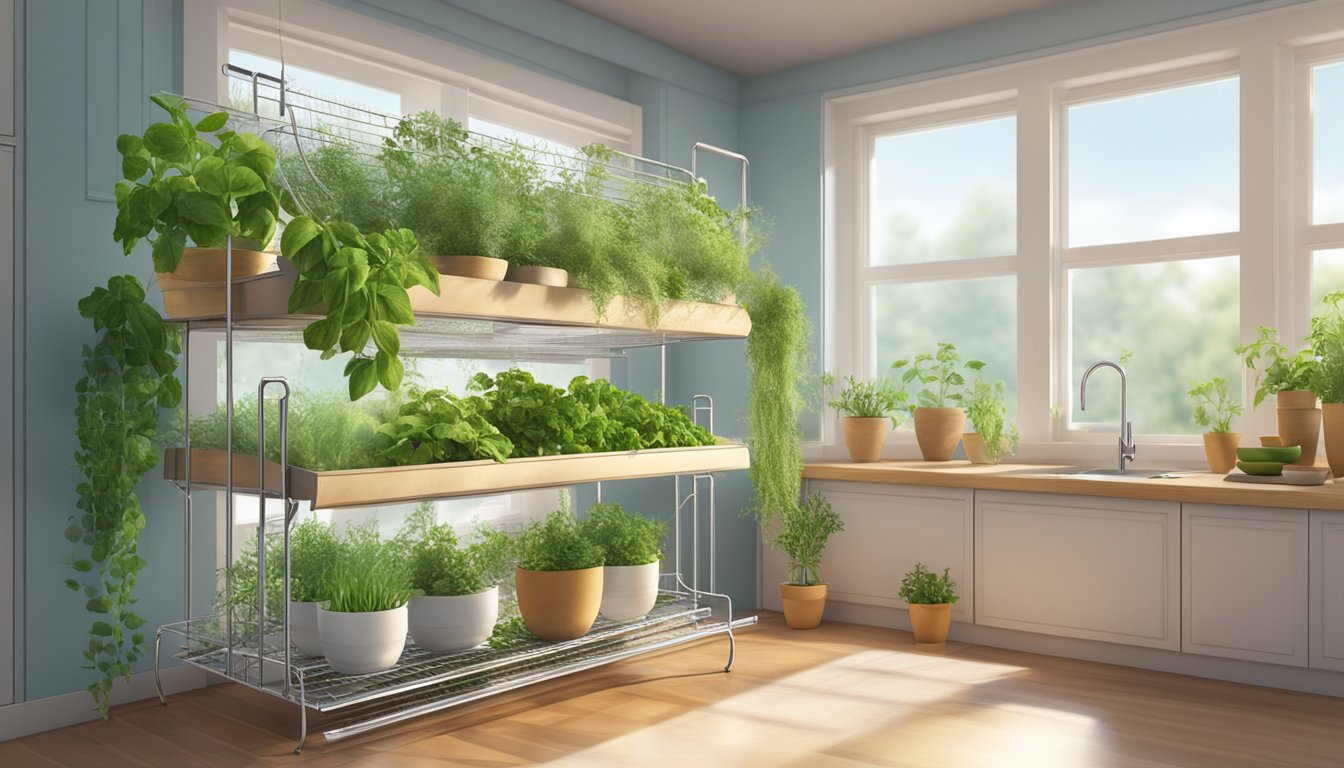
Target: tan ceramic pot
pixel 1299 423
pixel 938 430
pixel 975 448
pixel 864 437
pixel 1220 449
pixel 552 276
pixel 198 281
pixel 559 605
pixel 803 605
pixel 1333 419
pixel 931 622
pixel 480 267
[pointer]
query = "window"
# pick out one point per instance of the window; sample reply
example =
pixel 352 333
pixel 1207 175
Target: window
pixel 942 223
pixel 1323 233
pixel 1158 167
pixel 1149 201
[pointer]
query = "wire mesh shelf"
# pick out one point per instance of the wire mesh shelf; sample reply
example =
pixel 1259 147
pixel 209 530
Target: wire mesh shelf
pixel 315 685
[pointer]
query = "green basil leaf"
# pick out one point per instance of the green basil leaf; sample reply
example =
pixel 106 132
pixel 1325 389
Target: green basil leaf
pixel 211 123
pixel 167 251
pixel 244 181
pixel 363 378
pixel 200 208
pixel 165 140
pixel 386 337
pixel 212 176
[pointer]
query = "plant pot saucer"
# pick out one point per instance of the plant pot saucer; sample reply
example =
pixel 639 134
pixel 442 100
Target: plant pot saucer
pixel 479 267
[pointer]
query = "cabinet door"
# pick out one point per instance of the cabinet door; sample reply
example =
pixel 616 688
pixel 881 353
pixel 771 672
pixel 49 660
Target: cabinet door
pixel 887 531
pixel 6 425
pixel 1327 590
pixel 1091 568
pixel 1244 586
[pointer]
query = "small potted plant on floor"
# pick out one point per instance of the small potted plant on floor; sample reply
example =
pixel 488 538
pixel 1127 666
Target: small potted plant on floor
pixel 939 418
pixel 930 598
pixel 1288 377
pixel 804 530
pixel 456 602
pixel 633 548
pixel 993 438
pixel 558 577
pixel 869 411
pixel 1214 409
pixel 1327 382
pixel 364 621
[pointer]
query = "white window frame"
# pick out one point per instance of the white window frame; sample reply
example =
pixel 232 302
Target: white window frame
pixel 429 73
pixel 1310 237
pixel 1129 253
pixel 1270 51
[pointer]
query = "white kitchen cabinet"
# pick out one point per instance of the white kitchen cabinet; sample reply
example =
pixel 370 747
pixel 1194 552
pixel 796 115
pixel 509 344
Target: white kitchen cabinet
pixel 8 47
pixel 1074 566
pixel 1244 585
pixel 890 528
pixel 1327 590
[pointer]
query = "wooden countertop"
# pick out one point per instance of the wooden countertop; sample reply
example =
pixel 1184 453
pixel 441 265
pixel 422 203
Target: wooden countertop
pixel 1194 488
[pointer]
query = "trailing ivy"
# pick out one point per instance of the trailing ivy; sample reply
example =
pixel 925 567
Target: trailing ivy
pixel 128 376
pixel 363 280
pixel 778 361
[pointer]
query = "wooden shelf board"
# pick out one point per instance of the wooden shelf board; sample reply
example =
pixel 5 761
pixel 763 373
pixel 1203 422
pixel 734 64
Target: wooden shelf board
pixel 394 485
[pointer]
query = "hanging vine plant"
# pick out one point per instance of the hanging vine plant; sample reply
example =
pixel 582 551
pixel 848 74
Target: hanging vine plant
pixel 777 359
pixel 128 376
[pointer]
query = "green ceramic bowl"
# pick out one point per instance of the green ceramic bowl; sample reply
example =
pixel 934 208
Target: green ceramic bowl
pixel 1263 468
pixel 1282 455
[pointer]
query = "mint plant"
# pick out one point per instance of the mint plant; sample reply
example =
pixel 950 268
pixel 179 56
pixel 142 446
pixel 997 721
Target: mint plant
pixel 1276 368
pixel 939 373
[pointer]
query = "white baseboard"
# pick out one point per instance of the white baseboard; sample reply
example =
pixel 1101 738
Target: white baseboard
pixel 29 717
pixel 1250 672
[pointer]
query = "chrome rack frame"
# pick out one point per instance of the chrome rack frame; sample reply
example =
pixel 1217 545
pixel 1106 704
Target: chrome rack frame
pixel 421 682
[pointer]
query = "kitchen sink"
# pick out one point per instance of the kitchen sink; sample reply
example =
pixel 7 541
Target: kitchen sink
pixel 1087 472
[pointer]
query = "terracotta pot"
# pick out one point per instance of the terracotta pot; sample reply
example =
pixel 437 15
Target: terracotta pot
pixel 199 278
pixel 552 276
pixel 975 448
pixel 1220 449
pixel 1271 441
pixel 1333 414
pixel 559 605
pixel 480 267
pixel 1299 423
pixel 803 605
pixel 938 430
pixel 864 437
pixel 930 622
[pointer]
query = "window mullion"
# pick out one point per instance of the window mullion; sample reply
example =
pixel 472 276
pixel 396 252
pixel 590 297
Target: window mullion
pixel 1035 271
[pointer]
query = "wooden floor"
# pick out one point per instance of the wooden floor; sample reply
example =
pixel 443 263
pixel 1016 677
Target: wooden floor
pixel 841 695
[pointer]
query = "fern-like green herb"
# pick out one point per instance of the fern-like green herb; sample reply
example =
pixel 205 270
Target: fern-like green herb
pixel 625 538
pixel 920 586
pixel 555 544
pixel 804 530
pixel 988 414
pixel 1214 406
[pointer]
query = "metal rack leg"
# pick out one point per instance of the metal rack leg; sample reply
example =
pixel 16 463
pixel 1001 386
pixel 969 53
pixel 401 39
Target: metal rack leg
pixel 303 717
pixel 158 683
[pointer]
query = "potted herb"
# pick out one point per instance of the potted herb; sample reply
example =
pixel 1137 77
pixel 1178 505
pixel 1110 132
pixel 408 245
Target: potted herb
pixel 198 183
pixel 1327 382
pixel 1214 409
pixel 993 438
pixel 559 577
pixel 1288 377
pixel 474 205
pixel 870 410
pixel 804 530
pixel 938 418
pixel 929 598
pixel 632 548
pixel 364 621
pixel 456 602
pixel 314 550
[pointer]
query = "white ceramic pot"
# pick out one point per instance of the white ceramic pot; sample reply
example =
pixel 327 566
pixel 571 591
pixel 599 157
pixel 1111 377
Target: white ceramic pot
pixel 361 643
pixel 454 623
pixel 628 591
pixel 303 629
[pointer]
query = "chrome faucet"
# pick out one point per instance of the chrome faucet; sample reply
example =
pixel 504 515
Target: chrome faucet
pixel 1126 429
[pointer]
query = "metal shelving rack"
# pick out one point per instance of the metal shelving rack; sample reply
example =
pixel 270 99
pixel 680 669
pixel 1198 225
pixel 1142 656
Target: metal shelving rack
pixel 260 656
